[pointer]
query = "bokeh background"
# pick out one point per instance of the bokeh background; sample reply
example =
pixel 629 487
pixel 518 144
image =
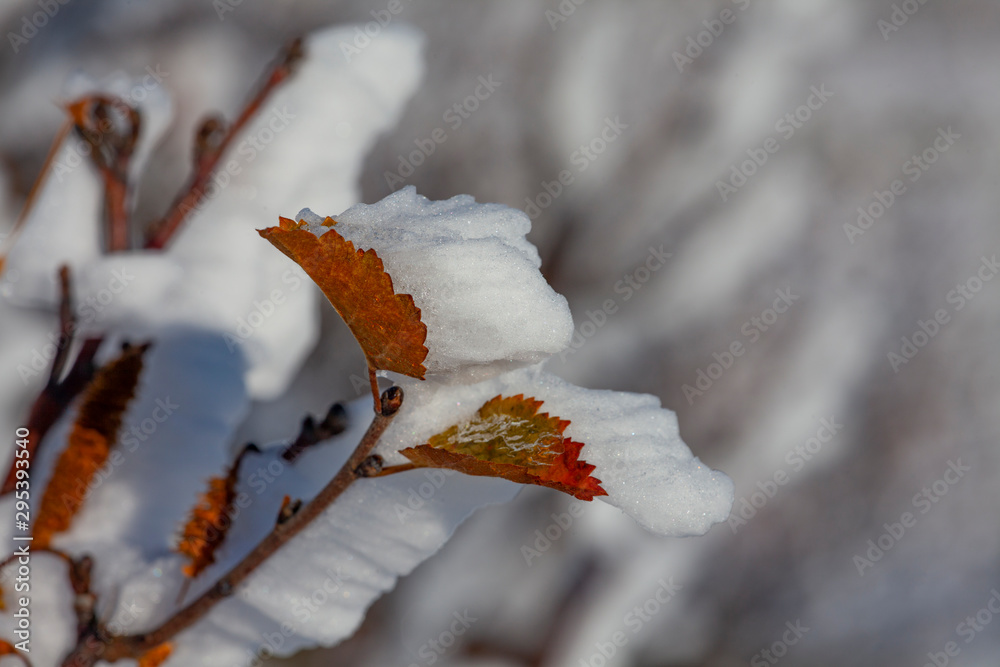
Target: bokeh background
pixel 897 77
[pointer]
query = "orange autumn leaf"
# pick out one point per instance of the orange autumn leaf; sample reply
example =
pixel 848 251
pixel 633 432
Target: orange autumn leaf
pixel 94 433
pixel 509 438
pixel 209 521
pixel 203 533
pixel 386 324
pixel 156 656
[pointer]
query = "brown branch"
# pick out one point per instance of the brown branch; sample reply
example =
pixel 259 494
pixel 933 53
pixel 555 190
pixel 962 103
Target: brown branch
pixel 67 325
pixel 58 393
pixel 111 127
pixel 312 433
pixel 116 211
pixel 98 645
pixel 211 147
pixel 53 402
pixel 85 600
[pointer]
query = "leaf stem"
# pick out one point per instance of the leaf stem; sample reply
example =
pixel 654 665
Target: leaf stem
pixel 373 379
pixel 392 470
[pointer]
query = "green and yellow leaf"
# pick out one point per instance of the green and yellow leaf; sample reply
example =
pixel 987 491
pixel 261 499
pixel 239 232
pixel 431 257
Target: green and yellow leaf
pixel 510 438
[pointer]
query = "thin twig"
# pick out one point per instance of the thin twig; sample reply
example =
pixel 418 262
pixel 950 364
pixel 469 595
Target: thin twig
pixel 111 152
pixel 210 149
pixel 373 379
pixel 392 470
pixel 59 391
pixel 53 401
pixel 116 211
pixel 67 325
pixel 312 433
pixel 114 648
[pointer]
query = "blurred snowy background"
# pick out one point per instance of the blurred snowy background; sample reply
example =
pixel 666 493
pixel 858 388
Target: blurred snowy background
pixel 741 137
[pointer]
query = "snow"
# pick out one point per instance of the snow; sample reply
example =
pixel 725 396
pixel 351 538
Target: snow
pixel 471 272
pixel 647 470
